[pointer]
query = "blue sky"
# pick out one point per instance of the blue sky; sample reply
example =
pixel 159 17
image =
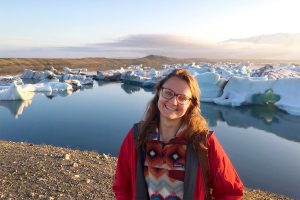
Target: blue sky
pixel 65 28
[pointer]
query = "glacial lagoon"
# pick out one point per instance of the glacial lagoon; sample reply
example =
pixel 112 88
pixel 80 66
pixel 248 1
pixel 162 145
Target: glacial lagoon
pixel 262 142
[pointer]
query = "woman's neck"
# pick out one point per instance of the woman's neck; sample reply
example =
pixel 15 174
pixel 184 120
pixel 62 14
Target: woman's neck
pixel 168 128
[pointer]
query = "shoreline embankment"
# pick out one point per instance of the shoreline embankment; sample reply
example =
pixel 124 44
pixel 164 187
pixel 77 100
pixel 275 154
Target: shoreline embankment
pixel 30 171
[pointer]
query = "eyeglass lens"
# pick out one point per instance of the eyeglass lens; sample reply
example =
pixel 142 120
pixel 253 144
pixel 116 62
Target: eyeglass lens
pixel 169 94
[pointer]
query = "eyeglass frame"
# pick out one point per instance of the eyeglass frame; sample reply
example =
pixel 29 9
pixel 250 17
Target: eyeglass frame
pixel 176 96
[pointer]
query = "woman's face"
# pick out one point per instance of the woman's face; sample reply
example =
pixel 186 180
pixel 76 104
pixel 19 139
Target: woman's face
pixel 171 108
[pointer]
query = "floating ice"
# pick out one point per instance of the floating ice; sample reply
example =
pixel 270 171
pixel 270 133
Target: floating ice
pixel 15 92
pixel 284 93
pixel 52 86
pixel 226 84
pixel 74 71
pixel 211 85
pixel 82 78
pixel 31 74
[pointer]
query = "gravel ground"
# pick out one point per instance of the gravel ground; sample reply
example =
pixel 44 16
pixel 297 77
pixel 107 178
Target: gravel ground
pixel 45 172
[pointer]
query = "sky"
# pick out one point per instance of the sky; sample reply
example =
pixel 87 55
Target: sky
pixel 136 28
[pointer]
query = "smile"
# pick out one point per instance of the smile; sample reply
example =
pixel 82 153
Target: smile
pixel 171 108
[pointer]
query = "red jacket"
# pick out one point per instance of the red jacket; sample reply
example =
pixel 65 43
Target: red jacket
pixel 225 181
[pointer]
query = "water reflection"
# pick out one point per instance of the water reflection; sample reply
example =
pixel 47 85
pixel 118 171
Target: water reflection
pixel 52 94
pixel 267 118
pixel 86 87
pixel 16 108
pixel 129 89
pixel 147 89
pixel 102 83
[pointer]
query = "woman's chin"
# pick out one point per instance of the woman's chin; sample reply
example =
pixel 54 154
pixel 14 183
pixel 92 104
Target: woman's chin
pixel 170 116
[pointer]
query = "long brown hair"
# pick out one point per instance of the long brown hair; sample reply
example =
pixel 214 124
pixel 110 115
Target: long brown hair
pixel 196 125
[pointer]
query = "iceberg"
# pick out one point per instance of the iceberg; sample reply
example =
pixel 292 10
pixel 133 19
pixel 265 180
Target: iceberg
pixel 111 75
pixel 15 92
pixel 211 85
pixel 134 79
pixel 52 86
pixel 82 78
pixel 153 73
pixel 6 81
pixel 283 93
pixel 226 84
pixel 30 74
pixel 47 87
pixel 151 83
pixel 68 70
pixel 289 92
pixel 75 83
pixel 149 79
pixel 277 72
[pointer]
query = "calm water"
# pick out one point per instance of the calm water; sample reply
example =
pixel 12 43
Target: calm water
pixel 262 142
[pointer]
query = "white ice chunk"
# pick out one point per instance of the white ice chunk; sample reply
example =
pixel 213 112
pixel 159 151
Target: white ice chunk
pixel 15 92
pixel 211 85
pixel 27 74
pixel 240 91
pixel 153 72
pixel 52 86
pixel 288 89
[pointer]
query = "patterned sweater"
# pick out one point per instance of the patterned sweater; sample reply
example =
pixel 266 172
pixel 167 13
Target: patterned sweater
pixel 164 168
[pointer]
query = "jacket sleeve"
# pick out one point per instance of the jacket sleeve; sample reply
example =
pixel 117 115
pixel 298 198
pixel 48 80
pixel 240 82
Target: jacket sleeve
pixel 226 183
pixel 123 182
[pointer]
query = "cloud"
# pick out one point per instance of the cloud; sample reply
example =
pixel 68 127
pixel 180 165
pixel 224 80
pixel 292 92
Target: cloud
pixel 273 46
pixel 142 43
pixel 130 46
pixel 154 41
pixel 278 39
pixel 276 46
pixel 145 44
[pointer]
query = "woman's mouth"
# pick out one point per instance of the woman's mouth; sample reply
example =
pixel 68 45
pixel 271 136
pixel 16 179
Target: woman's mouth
pixel 171 108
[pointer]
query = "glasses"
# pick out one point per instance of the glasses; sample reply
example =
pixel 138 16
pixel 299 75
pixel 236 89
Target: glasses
pixel 169 94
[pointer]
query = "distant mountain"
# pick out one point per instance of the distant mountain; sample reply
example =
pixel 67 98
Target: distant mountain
pixel 281 39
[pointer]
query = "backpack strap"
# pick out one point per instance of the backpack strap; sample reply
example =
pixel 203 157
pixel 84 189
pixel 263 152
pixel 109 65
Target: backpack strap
pixel 141 186
pixel 205 169
pixel 191 166
pixel 136 131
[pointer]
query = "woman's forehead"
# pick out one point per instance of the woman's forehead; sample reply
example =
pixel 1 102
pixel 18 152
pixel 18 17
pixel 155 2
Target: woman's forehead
pixel 178 85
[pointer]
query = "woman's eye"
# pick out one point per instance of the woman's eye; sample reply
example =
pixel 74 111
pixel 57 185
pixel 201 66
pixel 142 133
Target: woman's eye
pixel 168 93
pixel 182 98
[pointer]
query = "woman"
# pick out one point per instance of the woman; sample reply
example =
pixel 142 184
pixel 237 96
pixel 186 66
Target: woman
pixel 171 154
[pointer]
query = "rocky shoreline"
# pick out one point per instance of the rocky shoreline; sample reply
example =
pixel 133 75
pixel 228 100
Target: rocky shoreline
pixel 31 171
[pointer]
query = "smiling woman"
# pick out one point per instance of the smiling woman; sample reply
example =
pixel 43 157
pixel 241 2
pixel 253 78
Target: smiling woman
pixel 171 154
